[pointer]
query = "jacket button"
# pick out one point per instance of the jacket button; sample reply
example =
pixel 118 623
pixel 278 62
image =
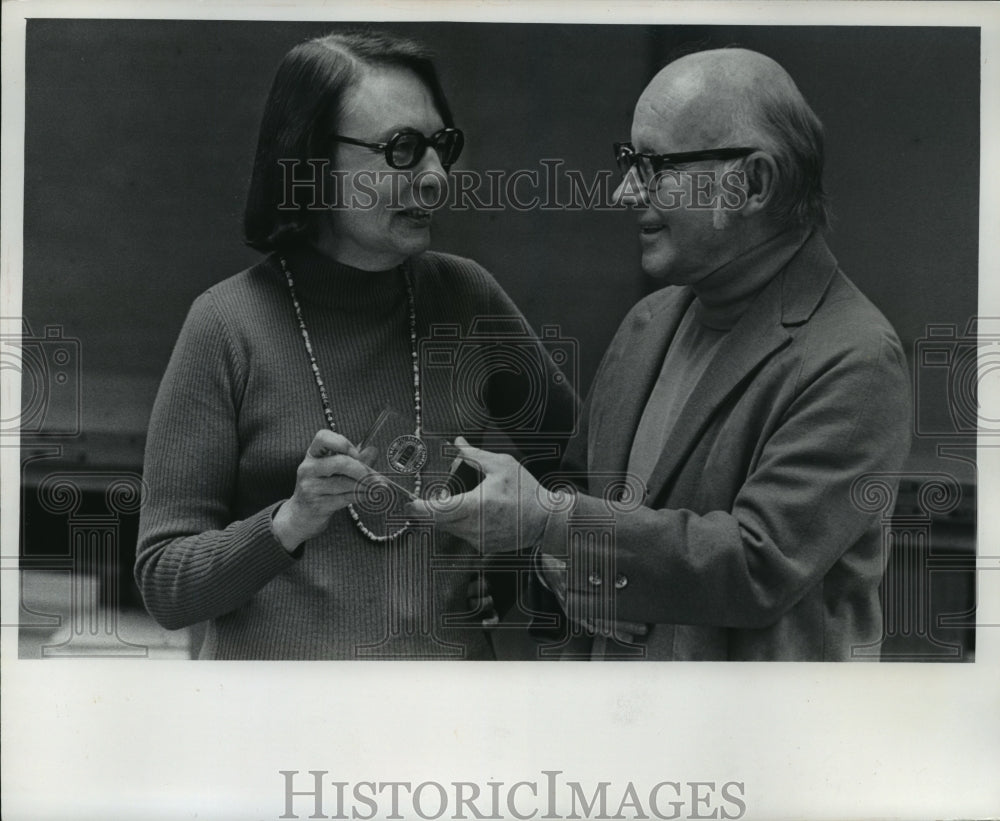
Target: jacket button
pixel 620 582
pixel 595 579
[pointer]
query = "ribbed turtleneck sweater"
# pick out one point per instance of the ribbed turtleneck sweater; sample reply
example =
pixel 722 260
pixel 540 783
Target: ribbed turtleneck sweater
pixel 235 413
pixel 721 298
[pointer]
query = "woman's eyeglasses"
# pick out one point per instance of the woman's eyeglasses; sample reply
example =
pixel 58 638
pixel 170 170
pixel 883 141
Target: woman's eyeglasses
pixel 649 165
pixel 406 149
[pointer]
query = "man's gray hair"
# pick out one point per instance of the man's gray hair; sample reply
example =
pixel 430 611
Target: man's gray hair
pixel 783 124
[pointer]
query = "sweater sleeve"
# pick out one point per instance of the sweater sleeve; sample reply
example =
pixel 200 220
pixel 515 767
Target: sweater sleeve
pixel 193 560
pixel 534 386
pixel 522 384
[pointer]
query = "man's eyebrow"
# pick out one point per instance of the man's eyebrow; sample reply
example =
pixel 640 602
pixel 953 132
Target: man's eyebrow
pixel 643 148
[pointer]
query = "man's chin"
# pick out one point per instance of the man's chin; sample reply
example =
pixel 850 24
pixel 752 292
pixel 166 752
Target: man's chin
pixel 667 272
pixel 656 268
pixel 660 274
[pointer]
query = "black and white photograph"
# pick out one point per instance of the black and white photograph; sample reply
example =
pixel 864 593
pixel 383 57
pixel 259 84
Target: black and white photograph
pixel 390 337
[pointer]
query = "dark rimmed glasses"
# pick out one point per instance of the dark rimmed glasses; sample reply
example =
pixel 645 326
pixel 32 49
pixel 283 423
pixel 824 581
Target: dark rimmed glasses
pixel 406 149
pixel 647 166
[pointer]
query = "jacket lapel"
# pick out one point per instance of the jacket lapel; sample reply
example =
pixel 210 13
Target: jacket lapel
pixel 634 371
pixel 789 299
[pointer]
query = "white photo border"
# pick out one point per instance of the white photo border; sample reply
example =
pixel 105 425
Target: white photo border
pixel 122 739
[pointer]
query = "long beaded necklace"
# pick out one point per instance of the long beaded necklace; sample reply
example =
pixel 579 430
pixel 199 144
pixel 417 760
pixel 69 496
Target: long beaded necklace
pixel 328 410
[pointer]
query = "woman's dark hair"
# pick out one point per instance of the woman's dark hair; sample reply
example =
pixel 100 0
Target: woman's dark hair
pixel 302 111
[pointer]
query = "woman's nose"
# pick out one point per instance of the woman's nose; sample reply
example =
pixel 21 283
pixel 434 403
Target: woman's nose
pixel 431 161
pixel 430 180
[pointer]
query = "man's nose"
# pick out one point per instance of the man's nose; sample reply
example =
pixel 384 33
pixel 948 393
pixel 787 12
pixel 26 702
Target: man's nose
pixel 631 191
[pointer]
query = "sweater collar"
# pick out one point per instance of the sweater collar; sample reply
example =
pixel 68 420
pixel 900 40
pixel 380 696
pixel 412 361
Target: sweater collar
pixel 724 295
pixel 321 280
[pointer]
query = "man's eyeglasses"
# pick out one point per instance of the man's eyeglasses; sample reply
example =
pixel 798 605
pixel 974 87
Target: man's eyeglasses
pixel 406 149
pixel 649 165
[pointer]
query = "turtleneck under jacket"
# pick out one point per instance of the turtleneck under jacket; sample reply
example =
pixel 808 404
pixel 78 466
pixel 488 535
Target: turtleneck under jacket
pixel 721 298
pixel 238 407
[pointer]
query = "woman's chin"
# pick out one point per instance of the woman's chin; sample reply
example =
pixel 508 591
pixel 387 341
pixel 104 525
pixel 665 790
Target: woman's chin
pixel 412 238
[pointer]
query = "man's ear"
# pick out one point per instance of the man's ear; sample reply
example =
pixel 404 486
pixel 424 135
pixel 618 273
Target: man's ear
pixel 762 176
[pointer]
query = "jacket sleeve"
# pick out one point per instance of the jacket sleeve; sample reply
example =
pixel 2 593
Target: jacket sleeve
pixel 791 520
pixel 194 560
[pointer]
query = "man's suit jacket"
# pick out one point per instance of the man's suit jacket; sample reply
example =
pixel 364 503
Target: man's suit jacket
pixel 750 542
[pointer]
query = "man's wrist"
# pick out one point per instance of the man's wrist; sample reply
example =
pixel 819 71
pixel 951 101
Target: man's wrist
pixel 534 526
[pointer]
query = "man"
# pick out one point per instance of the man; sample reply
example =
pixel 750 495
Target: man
pixel 748 397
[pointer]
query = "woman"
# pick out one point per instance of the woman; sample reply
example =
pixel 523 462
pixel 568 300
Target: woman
pixel 265 517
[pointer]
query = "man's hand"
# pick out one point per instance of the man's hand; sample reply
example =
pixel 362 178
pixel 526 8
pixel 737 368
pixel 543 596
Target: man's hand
pixel 501 515
pixel 481 601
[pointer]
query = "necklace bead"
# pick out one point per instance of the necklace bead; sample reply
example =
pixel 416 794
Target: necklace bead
pixel 325 399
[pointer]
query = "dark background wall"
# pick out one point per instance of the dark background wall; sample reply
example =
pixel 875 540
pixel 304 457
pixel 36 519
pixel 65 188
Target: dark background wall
pixel 140 137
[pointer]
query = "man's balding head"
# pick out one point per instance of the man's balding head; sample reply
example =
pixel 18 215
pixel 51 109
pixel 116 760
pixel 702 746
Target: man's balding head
pixel 735 97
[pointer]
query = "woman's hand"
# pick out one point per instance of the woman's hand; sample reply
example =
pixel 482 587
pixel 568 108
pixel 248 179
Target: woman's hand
pixel 325 482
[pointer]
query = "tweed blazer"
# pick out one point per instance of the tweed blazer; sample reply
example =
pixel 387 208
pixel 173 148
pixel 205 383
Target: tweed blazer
pixel 748 541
